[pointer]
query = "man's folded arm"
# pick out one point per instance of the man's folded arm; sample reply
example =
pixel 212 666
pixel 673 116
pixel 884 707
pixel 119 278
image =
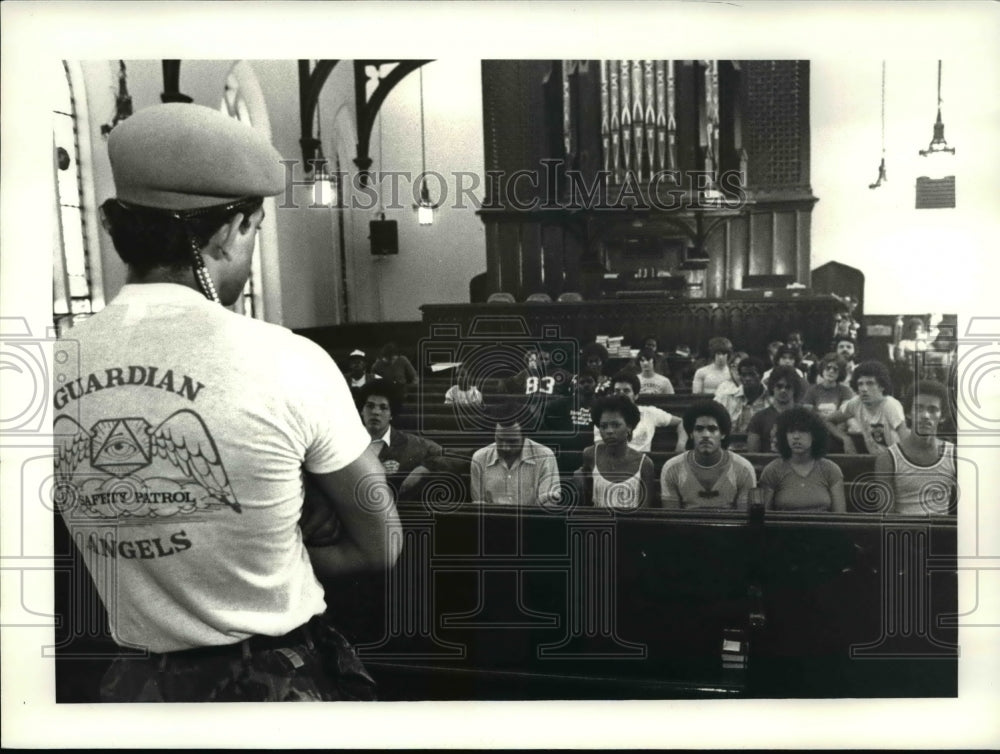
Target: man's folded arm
pixel 363 501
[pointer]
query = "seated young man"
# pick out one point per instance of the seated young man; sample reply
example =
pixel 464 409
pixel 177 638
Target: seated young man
pixel 650 381
pixel 594 356
pixel 661 364
pixel 540 376
pixel 845 348
pixel 806 358
pixel 830 394
pixel 357 373
pixel 650 417
pixel 570 414
pixel 709 377
pixel 920 469
pixel 878 416
pixel 406 458
pixel 463 392
pixel 748 399
pixel 707 475
pixel 393 366
pixel 787 356
pixel 513 470
pixel 785 390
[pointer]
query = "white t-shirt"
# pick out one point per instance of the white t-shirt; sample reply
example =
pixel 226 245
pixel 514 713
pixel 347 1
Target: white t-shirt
pixel 708 378
pixel 881 419
pixel 456 395
pixel 182 430
pixel 650 417
pixel 655 385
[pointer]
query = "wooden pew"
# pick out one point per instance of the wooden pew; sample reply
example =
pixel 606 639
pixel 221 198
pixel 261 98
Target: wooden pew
pixel 490 602
pixel 434 402
pixel 584 604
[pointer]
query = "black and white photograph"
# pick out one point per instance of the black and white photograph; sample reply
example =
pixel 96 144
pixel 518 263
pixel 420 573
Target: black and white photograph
pixel 540 374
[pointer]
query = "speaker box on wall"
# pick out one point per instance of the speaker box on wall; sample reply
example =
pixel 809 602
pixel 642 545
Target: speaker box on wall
pixel 384 236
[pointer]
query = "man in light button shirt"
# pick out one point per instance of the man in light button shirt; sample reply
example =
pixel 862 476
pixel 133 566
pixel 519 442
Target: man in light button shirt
pixel 514 470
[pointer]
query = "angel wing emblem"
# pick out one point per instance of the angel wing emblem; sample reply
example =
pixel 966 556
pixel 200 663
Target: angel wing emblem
pixel 71 446
pixel 184 440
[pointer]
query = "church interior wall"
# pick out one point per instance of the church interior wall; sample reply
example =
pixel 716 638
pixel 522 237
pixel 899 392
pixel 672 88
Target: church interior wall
pixel 931 252
pixel 913 260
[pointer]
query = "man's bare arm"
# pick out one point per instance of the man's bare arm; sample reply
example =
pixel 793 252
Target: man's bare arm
pixel 885 478
pixel 362 500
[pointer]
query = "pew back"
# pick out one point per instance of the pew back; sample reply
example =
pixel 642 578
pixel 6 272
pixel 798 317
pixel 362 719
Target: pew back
pixel 587 604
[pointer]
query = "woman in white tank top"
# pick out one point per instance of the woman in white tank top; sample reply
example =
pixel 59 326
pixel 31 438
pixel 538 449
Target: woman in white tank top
pixel 613 474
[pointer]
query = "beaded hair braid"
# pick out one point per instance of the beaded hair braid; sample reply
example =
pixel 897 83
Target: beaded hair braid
pixel 246 205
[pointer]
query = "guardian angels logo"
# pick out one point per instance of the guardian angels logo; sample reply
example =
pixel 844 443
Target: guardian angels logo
pixel 127 467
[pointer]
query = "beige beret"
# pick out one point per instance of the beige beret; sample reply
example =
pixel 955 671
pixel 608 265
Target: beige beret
pixel 185 156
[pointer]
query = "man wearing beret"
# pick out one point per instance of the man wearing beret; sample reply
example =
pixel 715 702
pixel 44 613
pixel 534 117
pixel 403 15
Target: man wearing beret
pixel 183 431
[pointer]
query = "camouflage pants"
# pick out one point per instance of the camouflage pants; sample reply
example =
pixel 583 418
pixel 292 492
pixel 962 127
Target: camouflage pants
pixel 318 665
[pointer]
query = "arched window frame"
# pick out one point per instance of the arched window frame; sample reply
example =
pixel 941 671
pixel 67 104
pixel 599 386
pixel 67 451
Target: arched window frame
pixel 243 99
pixel 77 287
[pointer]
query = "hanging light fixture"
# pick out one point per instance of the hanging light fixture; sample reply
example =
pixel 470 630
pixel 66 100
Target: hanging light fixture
pixel 938 148
pixel 324 185
pixel 881 166
pixel 935 189
pixel 123 101
pixel 425 207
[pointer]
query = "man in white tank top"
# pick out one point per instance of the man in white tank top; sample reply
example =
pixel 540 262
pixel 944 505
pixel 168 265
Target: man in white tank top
pixel 920 468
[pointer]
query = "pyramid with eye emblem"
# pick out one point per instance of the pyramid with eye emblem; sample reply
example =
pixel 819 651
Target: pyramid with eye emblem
pixel 120 446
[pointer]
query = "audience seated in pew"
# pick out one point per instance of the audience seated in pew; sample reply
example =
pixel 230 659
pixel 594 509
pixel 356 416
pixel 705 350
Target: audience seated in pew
pixel 784 392
pixel 803 479
pixel 877 416
pixel 730 386
pixel 650 417
pixel 463 392
pixel 406 457
pixel 845 347
pixel 772 351
pixel 650 381
pixel 708 378
pixel 393 366
pixel 514 469
pixel 919 471
pixel 660 362
pixel 830 394
pixel 748 399
pixel 540 375
pixel 357 372
pixel 566 426
pixel 787 356
pixel 594 356
pixel 614 474
pixel 707 475
pixel 571 414
pixel 804 357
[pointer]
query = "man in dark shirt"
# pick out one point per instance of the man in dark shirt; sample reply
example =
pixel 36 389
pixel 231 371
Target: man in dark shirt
pixel 785 389
pixel 407 458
